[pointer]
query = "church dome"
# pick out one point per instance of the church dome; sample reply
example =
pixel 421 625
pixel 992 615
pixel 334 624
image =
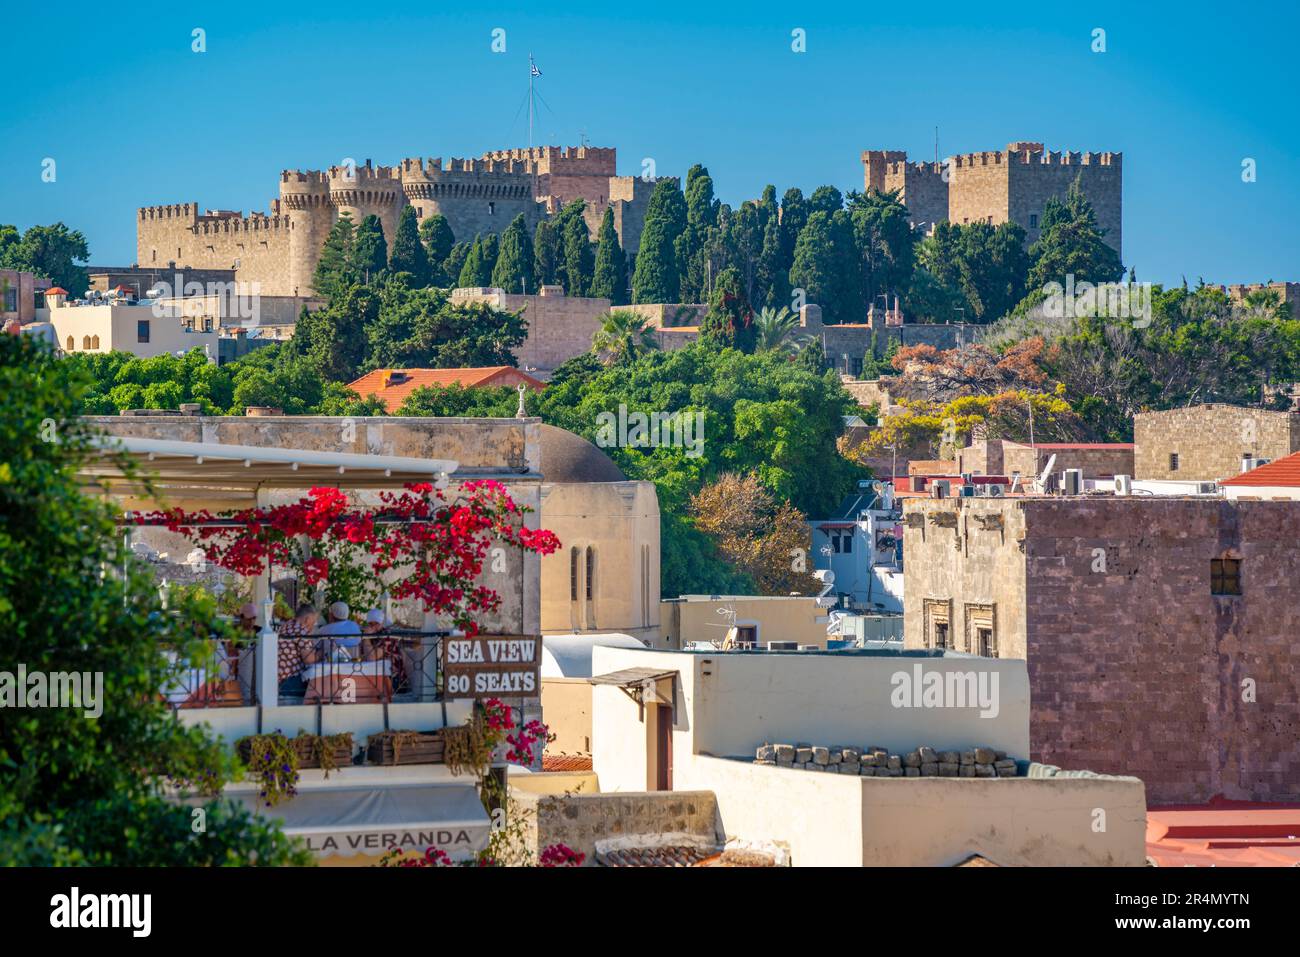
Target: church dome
pixel 569 459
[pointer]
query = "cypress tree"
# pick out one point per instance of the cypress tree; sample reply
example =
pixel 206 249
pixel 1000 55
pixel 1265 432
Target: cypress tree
pixel 514 268
pixel 408 253
pixel 579 261
pixel 473 274
pixel 335 269
pixel 455 262
pixel 657 277
pixel 491 250
pixel 546 254
pixel 438 241
pixel 370 249
pixel 610 278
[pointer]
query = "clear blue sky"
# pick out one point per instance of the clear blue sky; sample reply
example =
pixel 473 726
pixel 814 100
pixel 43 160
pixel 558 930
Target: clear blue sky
pixel 1186 91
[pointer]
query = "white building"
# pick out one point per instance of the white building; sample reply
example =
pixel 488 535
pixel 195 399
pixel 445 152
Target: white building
pixel 862 544
pixel 118 324
pixel 1272 480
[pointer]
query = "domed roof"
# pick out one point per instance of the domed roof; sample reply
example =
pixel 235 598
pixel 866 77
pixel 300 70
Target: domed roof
pixel 569 459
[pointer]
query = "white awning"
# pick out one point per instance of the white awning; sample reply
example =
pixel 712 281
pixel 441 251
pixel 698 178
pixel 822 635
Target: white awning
pixel 374 820
pixel 213 466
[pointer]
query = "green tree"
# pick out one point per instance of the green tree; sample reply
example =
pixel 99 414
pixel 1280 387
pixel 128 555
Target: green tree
pixel 579 260
pixel 370 249
pixel 422 328
pixel 455 262
pixel 546 254
pixel 514 267
pixel 455 400
pixel 657 276
pixel 477 271
pixel 85 786
pixel 886 244
pixel 437 238
pixel 54 252
pixel 1071 243
pixel 609 280
pixel 825 199
pixel 826 266
pixel 336 268
pixel 729 321
pixel 408 254
pixel 333 339
pixel 776 329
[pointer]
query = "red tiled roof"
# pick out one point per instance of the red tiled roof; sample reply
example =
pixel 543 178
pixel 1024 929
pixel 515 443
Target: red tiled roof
pixel 392 386
pixel 1224 833
pixel 1284 472
pixel 56 291
pixel 566 762
pixel 668 855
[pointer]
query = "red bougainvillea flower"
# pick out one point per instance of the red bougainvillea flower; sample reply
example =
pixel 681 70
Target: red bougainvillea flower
pixel 560 855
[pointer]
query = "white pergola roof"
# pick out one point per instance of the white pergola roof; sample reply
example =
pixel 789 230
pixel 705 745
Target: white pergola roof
pixel 239 471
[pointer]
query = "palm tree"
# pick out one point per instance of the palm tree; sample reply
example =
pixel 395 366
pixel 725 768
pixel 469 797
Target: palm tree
pixel 773 330
pixel 1265 303
pixel 623 335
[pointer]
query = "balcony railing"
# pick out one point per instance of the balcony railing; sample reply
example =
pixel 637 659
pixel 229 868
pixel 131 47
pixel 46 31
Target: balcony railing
pixel 383 668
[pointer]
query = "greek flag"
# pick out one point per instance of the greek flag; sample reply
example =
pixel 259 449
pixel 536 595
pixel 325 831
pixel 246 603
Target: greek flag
pixel 536 72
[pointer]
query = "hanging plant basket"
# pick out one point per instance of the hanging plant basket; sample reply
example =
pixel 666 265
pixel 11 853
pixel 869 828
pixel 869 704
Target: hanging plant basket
pixel 405 747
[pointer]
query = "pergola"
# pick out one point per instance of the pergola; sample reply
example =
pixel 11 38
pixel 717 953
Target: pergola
pixel 240 474
pixel 227 476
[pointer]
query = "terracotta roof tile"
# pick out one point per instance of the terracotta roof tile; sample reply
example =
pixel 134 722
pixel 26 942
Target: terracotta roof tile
pixel 392 386
pixel 1282 473
pixel 668 855
pixel 566 762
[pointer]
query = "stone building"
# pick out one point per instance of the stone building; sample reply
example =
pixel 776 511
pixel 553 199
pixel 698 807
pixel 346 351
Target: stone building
pixel 998 186
pixel 1097 460
pixel 1160 634
pixel 19 292
pixel 280 250
pixel 1206 443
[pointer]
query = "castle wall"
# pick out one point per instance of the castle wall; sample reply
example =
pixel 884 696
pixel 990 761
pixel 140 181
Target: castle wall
pixel 259 244
pixel 1047 176
pixel 1209 441
pixel 978 188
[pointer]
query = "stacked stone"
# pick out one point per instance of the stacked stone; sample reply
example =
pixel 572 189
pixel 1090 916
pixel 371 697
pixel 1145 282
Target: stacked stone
pixel 924 762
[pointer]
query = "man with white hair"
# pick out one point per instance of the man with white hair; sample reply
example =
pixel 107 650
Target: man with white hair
pixel 342 633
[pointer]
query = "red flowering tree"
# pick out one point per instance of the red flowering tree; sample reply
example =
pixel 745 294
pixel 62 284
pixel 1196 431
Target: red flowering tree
pixel 436 544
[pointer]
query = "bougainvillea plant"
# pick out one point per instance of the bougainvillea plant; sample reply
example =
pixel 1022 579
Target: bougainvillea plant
pixel 437 545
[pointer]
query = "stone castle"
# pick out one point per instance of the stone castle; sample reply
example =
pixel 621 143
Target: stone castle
pixel 999 186
pixel 280 250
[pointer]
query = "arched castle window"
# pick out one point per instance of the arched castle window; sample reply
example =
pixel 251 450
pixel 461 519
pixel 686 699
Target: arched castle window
pixel 492 209
pixel 72 346
pixel 591 572
pixel 573 569
pixel 85 342
pixel 94 342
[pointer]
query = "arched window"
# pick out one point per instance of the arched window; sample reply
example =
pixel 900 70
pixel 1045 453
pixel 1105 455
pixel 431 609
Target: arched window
pixel 573 574
pixel 72 346
pixel 94 342
pixel 591 572
pixel 85 342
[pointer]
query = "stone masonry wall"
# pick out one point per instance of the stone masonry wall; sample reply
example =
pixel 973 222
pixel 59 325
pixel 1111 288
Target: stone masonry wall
pixel 1210 440
pixel 580 820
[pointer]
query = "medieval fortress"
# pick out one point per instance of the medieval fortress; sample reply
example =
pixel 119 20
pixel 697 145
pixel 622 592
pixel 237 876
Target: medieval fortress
pixel 483 195
pixel 999 186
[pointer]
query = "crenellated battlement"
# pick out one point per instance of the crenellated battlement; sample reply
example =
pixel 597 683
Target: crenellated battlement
pixel 905 168
pixel 229 223
pixel 570 160
pixel 188 211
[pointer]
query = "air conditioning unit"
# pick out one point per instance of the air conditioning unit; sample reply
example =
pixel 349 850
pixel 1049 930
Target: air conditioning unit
pixel 783 646
pixel 1206 488
pixel 1123 485
pixel 968 491
pixel 1072 481
pixel 996 491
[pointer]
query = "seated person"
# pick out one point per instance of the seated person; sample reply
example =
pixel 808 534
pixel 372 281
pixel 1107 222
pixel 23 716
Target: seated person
pixel 342 635
pixel 297 650
pixel 374 649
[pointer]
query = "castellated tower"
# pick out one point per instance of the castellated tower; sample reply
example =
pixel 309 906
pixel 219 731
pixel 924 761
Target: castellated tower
pixel 367 190
pixel 475 195
pixel 305 199
pixel 997 186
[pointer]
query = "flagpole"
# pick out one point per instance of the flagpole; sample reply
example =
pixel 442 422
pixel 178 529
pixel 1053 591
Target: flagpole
pixel 531 69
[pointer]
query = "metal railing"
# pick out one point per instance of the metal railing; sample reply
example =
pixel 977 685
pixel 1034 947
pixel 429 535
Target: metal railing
pixel 382 668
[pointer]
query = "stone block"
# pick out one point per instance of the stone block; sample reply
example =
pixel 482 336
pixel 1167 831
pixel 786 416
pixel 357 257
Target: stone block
pixel 930 769
pixel 984 771
pixel 968 757
pixel 985 756
pixel 928 755
pixel 852 755
pixel 868 760
pixel 949 757
pixel 821 756
pixel 894 763
pixel 766 752
pixel 948 769
pixel 802 755
pixel 912 772
pixel 849 767
pixel 965 770
pixel 912 759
